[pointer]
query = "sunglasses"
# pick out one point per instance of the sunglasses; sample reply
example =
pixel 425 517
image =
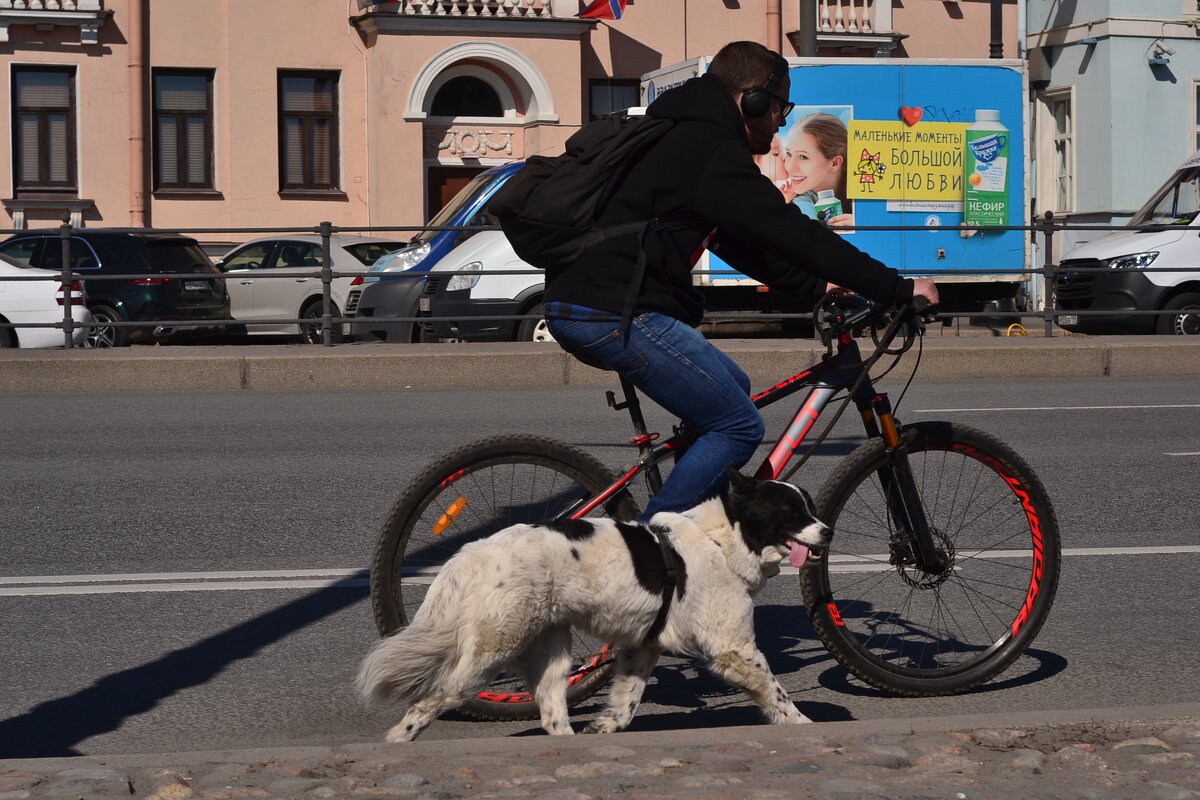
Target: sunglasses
pixel 785 106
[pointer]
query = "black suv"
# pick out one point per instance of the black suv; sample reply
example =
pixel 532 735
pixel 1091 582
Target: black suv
pixel 171 303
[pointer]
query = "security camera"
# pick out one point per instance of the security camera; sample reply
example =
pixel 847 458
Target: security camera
pixel 1167 50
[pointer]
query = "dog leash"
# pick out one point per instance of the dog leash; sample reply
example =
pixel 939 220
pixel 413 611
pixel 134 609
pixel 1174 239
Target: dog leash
pixel 671 563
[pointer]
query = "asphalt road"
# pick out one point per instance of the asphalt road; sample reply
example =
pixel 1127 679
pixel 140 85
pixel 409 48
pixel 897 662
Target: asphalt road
pixel 198 501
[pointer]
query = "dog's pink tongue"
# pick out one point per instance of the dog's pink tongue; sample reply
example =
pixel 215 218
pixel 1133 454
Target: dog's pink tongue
pixel 799 555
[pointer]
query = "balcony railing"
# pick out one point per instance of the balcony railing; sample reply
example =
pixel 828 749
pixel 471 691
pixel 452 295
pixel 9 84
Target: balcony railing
pixel 52 5
pixel 854 16
pixel 513 9
pixel 87 15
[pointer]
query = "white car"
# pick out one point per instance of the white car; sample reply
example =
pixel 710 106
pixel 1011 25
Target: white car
pixel 463 287
pixel 24 302
pixel 254 295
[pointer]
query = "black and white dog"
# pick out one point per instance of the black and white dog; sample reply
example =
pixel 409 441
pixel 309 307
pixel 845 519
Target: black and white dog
pixel 510 601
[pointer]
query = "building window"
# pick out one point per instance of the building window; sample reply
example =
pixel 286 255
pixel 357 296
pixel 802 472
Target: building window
pixel 1064 152
pixel 466 96
pixel 44 130
pixel 183 130
pixel 612 94
pixel 1056 151
pixel 308 135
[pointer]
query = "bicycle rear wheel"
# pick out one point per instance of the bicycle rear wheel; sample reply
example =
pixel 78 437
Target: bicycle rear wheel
pixel 921 634
pixel 472 493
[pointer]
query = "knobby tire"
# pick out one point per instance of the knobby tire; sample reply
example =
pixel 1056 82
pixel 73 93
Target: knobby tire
pixel 471 493
pixel 921 635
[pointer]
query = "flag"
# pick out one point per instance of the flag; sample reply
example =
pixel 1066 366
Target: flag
pixel 603 9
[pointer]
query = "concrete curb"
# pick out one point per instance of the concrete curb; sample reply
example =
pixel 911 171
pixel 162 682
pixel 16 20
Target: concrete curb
pixel 519 746
pixel 383 366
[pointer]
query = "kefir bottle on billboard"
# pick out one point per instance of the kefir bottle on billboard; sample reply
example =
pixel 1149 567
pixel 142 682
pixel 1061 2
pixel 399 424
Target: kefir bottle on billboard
pixel 986 163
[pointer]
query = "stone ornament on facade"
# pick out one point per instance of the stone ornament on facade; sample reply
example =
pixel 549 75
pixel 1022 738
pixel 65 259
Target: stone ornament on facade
pixel 472 142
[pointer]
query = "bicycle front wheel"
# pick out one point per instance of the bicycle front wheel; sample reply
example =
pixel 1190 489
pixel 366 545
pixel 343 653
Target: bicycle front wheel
pixel 472 493
pixel 921 634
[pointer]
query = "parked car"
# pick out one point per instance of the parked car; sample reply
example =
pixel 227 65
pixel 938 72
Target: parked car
pixel 255 295
pixel 463 288
pixel 1123 268
pixel 24 302
pixel 169 305
pixel 396 290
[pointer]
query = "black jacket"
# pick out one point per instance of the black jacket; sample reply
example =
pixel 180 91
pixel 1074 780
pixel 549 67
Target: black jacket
pixel 702 178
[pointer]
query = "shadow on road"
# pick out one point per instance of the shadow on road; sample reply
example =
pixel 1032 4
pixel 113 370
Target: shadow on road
pixel 54 728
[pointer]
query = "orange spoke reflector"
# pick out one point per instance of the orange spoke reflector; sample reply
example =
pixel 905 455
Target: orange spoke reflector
pixel 451 514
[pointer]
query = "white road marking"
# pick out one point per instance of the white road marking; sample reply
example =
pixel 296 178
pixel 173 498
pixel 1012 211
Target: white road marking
pixel 151 582
pixel 1181 454
pixel 1049 408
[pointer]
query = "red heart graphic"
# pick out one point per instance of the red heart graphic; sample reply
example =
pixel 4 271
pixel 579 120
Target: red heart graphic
pixel 910 115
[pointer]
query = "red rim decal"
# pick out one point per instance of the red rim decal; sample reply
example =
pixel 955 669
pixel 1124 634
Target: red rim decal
pixel 598 660
pixel 452 478
pixel 1035 527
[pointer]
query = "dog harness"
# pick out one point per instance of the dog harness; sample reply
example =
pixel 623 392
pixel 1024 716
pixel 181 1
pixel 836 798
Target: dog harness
pixel 671 564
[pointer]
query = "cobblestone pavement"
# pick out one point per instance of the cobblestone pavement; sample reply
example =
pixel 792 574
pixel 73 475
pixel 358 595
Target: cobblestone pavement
pixel 1133 759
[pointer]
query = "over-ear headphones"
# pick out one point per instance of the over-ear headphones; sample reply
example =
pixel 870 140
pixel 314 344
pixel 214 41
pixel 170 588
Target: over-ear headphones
pixel 757 102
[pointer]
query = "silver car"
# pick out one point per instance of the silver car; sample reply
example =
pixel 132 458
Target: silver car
pixel 263 302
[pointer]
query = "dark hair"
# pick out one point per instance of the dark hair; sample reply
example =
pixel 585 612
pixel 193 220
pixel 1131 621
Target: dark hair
pixel 743 65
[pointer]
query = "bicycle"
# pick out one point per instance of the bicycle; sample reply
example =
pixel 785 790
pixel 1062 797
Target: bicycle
pixel 945 556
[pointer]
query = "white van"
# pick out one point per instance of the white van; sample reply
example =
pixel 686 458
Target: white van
pixel 465 288
pixel 1131 279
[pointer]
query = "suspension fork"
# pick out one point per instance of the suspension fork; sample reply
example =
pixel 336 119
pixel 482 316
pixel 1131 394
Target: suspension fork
pixel 899 486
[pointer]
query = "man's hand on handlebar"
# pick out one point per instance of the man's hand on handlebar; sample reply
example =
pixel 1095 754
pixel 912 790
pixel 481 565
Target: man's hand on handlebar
pixel 925 293
pixel 925 289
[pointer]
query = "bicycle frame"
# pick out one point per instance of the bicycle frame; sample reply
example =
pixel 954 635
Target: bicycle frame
pixel 841 370
pixel 824 380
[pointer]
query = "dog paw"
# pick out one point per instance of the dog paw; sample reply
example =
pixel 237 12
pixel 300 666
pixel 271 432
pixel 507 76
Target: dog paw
pixel 601 726
pixel 402 733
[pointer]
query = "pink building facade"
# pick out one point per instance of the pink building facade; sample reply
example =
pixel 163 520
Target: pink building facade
pixel 283 113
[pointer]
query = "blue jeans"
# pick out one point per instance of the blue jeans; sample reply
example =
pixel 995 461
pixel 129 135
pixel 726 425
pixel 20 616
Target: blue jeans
pixel 676 367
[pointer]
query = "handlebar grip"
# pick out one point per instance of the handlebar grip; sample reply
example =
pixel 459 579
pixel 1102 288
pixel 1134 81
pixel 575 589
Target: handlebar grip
pixel 920 304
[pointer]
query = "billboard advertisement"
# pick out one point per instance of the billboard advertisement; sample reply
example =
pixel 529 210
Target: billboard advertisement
pixel 923 145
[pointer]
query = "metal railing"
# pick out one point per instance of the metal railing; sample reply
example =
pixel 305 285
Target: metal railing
pixel 513 9
pixel 1047 228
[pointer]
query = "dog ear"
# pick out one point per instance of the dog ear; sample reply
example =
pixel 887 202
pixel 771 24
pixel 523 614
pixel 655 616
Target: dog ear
pixel 740 483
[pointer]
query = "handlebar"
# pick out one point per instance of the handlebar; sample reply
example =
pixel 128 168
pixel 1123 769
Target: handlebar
pixel 840 312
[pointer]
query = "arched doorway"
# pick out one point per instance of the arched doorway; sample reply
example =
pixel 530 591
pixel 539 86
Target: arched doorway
pixel 473 99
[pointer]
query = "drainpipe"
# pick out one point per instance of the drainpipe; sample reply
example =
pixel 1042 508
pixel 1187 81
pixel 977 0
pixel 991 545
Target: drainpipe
pixel 139 47
pixel 775 25
pixel 1022 29
pixel 807 46
pixel 997 43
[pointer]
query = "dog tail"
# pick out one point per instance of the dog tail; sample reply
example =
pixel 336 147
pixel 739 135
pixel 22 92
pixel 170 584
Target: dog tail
pixel 406 666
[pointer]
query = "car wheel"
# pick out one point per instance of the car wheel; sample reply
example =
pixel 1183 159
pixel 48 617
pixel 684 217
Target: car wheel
pixel 8 337
pixel 101 333
pixel 1187 321
pixel 310 332
pixel 534 330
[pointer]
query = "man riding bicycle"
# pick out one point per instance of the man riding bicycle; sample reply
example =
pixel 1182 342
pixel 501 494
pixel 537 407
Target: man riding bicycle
pixel 700 179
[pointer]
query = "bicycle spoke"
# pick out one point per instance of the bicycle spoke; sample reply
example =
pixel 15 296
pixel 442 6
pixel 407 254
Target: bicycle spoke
pixel 896 625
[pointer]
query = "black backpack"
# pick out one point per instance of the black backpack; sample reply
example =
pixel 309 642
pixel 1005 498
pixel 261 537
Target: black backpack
pixel 548 209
